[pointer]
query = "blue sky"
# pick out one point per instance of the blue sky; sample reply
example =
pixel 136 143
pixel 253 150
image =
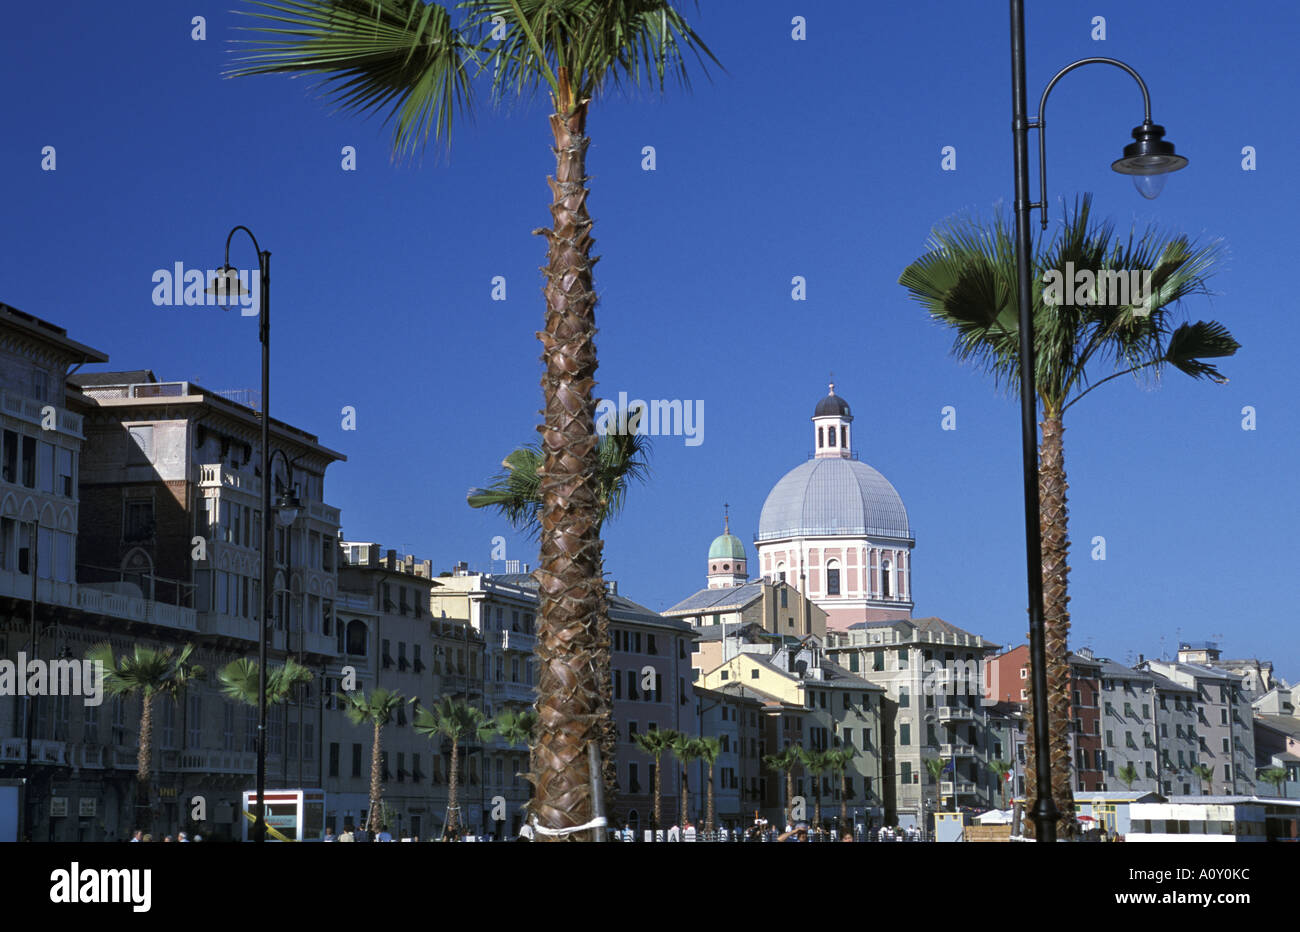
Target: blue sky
pixel 818 158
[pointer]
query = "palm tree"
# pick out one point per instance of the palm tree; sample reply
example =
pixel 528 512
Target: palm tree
pixel 514 493
pixel 455 720
pixel 516 728
pixel 839 760
pixel 240 681
pixel 686 750
pixel 1128 773
pixel 1206 774
pixel 376 710
pixel 655 743
pixel 149 673
pixel 1276 776
pixel 815 764
pixel 709 750
pixel 936 766
pixel 1000 769
pixel 408 58
pixel 967 281
pixel 784 762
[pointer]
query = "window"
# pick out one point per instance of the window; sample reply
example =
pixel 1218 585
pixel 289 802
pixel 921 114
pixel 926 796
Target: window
pixel 138 524
pixel 29 462
pixel 904 697
pixel 884 578
pixel 905 734
pixel 784 598
pixel 356 643
pixel 45 467
pixel 195 721
pixel 878 661
pixel 356 760
pixel 9 460
pixel 833 578
pixel 631 683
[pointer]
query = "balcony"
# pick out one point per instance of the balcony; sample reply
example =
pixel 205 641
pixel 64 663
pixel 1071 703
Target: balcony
pixel 949 713
pixel 320 644
pixel 956 750
pixel 171 616
pixel 964 788
pixel 30 410
pixel 228 626
pixel 323 513
pixel 518 640
pixel 14 750
pixel 125 758
pixel 515 692
pixel 218 476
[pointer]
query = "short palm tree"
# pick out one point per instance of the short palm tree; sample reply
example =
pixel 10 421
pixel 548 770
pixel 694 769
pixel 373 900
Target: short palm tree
pixel 1000 769
pixel 1276 776
pixel 709 749
pixel 149 673
pixel 240 681
pixel 457 721
pixel 815 764
pixel 936 766
pixel 621 460
pixel 655 743
pixel 784 762
pixel 839 760
pixel 967 281
pixel 687 750
pixel 409 59
pixel 1206 774
pixel 377 711
pixel 1128 773
pixel 516 728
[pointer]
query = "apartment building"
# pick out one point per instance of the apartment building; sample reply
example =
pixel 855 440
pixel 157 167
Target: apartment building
pixel 934 708
pixel 1223 729
pixel 1130 728
pixel 839 709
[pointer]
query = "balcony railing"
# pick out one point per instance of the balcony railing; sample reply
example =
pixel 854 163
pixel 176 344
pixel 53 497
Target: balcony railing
pixel 956 750
pixel 518 640
pixel 14 750
pixel 31 410
pixel 964 788
pixel 515 692
pixel 949 713
pixel 216 475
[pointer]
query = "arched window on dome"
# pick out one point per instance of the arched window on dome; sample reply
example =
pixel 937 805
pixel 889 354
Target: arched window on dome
pixel 885 588
pixel 830 436
pixel 844 436
pixel 833 577
pixel 820 438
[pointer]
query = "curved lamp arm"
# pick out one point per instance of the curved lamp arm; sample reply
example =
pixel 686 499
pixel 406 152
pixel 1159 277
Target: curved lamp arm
pixel 1041 122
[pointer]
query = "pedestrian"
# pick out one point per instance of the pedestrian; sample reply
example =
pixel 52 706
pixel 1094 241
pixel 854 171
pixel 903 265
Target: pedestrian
pixel 349 833
pixel 182 838
pixel 137 836
pixel 329 835
pixel 848 836
pixel 383 834
pixel 798 833
pixel 688 831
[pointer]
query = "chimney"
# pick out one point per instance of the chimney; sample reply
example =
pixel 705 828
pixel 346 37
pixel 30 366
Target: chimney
pixel 392 559
pixel 1140 658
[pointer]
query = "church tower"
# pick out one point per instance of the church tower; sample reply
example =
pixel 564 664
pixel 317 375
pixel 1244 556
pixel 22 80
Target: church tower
pixel 831 424
pixel 726 559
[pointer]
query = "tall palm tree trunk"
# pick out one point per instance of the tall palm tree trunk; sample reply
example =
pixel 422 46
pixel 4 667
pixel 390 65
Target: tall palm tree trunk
pixel 686 796
pixel 376 782
pixel 708 819
pixel 568 645
pixel 844 801
pixel 1054 527
pixel 789 795
pixel 144 763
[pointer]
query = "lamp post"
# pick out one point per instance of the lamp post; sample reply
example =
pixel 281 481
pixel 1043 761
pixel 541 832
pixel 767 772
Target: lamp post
pixel 286 508
pixel 228 285
pixel 1148 159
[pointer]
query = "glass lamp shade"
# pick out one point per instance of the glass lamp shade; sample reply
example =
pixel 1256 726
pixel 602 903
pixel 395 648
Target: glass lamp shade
pixel 286 510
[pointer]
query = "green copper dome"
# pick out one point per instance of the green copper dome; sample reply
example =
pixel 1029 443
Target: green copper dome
pixel 726 547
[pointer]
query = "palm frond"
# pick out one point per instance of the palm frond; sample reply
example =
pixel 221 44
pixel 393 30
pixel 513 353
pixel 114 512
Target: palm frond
pixel 403 59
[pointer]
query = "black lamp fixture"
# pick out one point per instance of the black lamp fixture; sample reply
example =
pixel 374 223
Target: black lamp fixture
pixel 1149 159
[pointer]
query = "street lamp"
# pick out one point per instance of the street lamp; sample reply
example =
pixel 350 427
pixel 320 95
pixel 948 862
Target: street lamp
pixel 1148 159
pixel 225 286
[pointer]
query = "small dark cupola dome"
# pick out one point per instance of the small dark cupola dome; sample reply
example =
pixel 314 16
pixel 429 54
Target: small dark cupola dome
pixel 833 435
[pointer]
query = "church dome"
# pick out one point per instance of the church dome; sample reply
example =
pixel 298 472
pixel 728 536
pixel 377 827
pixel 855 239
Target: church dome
pixel 832 406
pixel 833 497
pixel 726 547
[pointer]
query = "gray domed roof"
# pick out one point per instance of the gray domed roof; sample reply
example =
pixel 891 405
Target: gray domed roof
pixel 832 406
pixel 832 496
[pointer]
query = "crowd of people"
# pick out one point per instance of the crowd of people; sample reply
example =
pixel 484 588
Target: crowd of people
pixel 762 831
